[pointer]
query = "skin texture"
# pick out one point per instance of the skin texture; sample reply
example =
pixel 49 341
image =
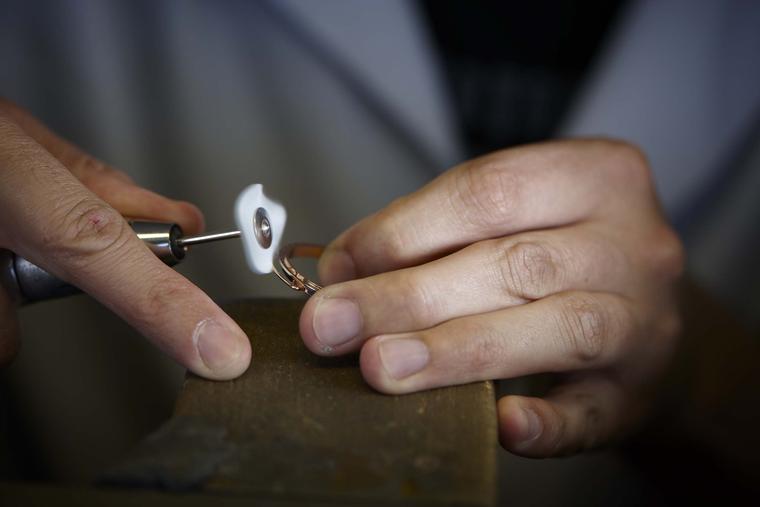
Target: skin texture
pixel 552 257
pixel 63 210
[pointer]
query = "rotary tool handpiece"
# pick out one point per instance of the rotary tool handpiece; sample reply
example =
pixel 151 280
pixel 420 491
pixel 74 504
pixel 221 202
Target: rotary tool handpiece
pixel 27 283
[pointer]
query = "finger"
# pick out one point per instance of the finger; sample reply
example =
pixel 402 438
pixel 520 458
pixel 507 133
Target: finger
pixel 525 188
pixel 136 202
pixel 9 336
pixel 575 417
pixel 483 277
pixel 565 332
pixel 51 219
pixel 111 185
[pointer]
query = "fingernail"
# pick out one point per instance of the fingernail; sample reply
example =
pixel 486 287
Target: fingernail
pixel 533 426
pixel 336 321
pixel 217 345
pixel 402 357
pixel 336 266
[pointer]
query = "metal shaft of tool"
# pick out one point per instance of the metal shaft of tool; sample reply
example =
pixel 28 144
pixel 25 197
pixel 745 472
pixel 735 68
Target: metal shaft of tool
pixel 207 238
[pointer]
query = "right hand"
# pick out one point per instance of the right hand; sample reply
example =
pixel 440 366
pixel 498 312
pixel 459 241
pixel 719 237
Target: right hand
pixel 62 210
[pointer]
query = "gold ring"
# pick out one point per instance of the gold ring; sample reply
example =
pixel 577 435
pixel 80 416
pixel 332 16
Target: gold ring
pixel 289 274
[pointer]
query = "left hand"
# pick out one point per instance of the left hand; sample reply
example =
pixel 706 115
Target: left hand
pixel 546 258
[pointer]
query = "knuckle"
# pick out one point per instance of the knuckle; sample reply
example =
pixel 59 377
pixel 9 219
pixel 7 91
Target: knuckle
pixel 580 432
pixel 418 301
pixel 586 434
pixel 393 244
pixel 666 253
pixel 628 154
pixel 628 151
pixel 528 269
pixel 591 422
pixel 87 169
pixel 583 324
pixel 629 162
pixel 83 228
pixel 487 193
pixel 389 248
pixel 558 431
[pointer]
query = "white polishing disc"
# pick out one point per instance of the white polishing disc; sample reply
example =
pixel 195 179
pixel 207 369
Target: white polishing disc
pixel 261 222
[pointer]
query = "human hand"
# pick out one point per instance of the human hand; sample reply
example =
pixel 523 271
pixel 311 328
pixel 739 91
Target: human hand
pixel 553 257
pixel 62 210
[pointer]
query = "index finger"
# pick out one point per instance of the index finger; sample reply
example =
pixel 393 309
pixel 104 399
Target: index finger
pixel 515 190
pixel 111 185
